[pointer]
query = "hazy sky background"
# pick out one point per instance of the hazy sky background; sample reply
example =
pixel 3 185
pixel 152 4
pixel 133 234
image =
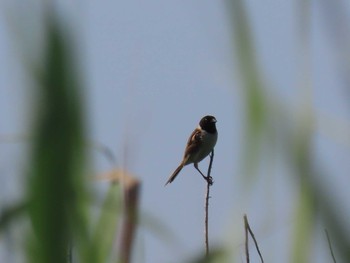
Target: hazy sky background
pixel 151 70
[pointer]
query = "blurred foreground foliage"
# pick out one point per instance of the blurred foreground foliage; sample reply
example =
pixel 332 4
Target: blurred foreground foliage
pixel 266 113
pixel 58 201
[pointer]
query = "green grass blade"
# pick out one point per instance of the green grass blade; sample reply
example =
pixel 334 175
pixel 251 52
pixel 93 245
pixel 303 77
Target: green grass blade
pixel 105 231
pixel 252 86
pixel 56 190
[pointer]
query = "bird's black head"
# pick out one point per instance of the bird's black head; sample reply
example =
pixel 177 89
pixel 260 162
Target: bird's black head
pixel 207 123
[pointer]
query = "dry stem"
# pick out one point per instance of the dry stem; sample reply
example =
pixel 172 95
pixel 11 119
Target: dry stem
pixel 207 196
pixel 248 229
pixel 330 246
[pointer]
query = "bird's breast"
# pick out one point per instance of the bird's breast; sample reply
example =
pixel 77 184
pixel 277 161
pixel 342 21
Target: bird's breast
pixel 208 143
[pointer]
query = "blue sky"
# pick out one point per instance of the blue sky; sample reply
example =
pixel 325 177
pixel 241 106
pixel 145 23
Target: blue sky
pixel 151 70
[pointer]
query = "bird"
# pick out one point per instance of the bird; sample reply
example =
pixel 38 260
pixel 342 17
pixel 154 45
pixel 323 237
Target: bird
pixel 199 145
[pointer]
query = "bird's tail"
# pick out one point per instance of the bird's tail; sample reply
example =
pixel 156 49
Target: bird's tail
pixel 175 173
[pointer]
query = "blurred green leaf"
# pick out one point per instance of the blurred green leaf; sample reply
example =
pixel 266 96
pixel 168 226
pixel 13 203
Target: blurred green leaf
pixel 56 188
pixel 304 225
pixel 216 255
pixel 105 232
pixel 10 213
pixel 252 86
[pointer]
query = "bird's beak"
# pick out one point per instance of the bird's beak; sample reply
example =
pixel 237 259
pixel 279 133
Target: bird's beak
pixel 214 120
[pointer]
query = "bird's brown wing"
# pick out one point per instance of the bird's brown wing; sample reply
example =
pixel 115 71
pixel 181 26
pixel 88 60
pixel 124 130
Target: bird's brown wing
pixel 193 144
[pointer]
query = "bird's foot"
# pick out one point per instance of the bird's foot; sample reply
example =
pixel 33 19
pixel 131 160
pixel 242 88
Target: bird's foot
pixel 209 180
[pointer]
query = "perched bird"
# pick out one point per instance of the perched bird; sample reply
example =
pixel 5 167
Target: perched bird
pixel 199 145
